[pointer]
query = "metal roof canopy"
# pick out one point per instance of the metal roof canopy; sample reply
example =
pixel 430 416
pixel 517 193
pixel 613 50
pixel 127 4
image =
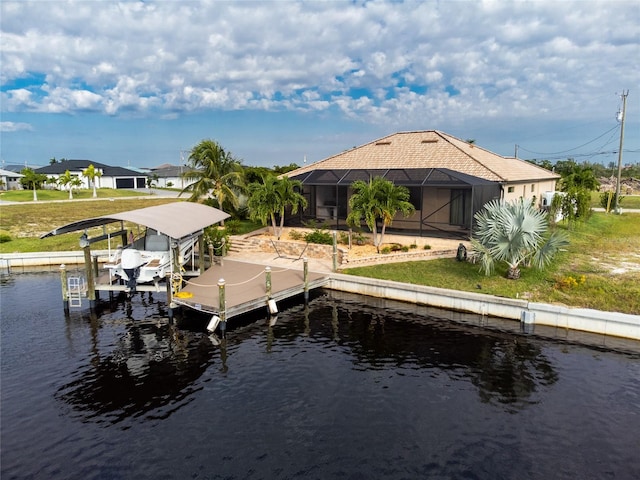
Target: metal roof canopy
pixel 399 176
pixel 177 220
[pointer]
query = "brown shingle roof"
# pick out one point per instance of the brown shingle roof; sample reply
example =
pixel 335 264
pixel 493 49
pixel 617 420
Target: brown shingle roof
pixel 431 149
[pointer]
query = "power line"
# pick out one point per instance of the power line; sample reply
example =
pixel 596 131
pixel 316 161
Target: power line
pixel 571 149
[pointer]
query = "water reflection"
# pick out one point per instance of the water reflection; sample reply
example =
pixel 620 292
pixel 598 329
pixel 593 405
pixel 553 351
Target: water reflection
pixel 149 369
pixel 152 367
pixel 506 368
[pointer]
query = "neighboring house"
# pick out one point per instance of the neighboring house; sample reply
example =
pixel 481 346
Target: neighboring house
pixel 112 177
pixel 10 180
pixel 169 176
pixel 449 180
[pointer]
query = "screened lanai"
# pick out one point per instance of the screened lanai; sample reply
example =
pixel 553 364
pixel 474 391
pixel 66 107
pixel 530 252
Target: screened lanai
pixel 445 200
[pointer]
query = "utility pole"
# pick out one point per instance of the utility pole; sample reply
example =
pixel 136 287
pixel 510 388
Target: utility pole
pixel 622 115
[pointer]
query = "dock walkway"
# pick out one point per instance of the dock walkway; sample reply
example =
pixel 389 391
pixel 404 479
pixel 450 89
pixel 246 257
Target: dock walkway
pixel 246 286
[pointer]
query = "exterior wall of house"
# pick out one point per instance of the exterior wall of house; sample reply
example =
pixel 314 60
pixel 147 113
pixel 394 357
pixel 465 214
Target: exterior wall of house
pixel 10 183
pixel 528 191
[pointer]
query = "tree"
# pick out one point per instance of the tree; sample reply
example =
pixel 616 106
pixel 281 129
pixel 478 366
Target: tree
pixel 577 182
pixel 377 199
pixel 216 173
pixel 70 181
pixel 92 174
pixel 273 196
pixel 514 233
pixel 32 181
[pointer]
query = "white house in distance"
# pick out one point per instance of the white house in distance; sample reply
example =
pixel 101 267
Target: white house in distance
pixel 10 180
pixel 112 177
pixel 169 176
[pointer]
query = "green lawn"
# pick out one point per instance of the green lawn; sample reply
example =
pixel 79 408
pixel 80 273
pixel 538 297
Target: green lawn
pixel 582 276
pixel 626 201
pixel 104 193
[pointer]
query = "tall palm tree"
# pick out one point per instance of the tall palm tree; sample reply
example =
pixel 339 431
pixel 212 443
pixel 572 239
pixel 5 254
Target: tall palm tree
pixel 216 173
pixel 272 197
pixel 514 233
pixel 92 173
pixel 377 199
pixel 65 181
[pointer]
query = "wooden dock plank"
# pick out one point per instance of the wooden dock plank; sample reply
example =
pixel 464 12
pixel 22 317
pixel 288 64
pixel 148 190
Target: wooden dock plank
pixel 245 286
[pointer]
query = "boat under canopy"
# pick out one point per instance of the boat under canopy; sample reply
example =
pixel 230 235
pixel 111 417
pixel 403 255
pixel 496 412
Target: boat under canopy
pixel 176 220
pixel 171 237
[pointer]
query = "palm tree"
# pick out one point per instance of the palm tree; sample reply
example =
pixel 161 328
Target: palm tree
pixel 273 196
pixel 69 180
pixel 514 233
pixel 216 173
pixel 92 173
pixel 32 180
pixel 377 199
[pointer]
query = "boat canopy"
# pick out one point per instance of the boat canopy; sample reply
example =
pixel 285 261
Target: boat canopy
pixel 176 220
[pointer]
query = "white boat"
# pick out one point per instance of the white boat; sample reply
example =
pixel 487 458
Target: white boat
pixel 148 259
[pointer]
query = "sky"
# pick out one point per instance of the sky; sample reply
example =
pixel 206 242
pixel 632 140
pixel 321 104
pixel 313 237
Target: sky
pixel 140 83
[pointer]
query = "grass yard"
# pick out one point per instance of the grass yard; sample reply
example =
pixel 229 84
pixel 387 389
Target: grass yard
pixel 24 223
pixel 600 270
pixel 83 194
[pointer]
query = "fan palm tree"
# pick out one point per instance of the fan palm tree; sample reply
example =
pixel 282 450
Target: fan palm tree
pixel 377 199
pixel 272 197
pixel 514 233
pixel 92 173
pixel 216 173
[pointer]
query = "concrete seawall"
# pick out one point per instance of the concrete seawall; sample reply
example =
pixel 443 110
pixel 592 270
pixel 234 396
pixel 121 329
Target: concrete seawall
pixel 529 313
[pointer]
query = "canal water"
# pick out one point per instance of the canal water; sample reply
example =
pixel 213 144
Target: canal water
pixel 345 387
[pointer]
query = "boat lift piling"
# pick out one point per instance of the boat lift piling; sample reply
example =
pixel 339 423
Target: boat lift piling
pixel 65 293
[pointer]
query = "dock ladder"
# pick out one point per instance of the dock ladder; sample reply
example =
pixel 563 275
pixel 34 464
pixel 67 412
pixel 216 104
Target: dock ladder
pixel 76 289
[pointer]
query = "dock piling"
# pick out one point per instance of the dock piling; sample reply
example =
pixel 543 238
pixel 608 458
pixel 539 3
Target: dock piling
pixel 305 270
pixel 65 294
pixel 91 284
pixel 267 273
pixel 222 306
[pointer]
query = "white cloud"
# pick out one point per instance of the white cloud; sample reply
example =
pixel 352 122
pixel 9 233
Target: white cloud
pixel 14 126
pixel 168 57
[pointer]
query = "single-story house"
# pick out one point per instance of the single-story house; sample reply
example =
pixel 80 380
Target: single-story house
pixel 112 177
pixel 449 180
pixel 10 180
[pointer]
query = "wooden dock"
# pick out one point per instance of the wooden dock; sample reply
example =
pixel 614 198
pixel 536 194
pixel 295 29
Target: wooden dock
pixel 245 287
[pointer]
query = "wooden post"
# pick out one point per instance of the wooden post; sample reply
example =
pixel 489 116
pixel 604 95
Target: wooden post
pixel 267 272
pixel 65 293
pixel 335 251
pixel 211 255
pixel 91 285
pixel 201 264
pixel 170 305
pixel 222 306
pixel 305 271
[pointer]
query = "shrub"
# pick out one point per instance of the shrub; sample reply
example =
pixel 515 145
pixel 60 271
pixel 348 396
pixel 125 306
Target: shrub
pixel 5 237
pixel 427 247
pixel 605 202
pixel 322 237
pixel 233 226
pixel 295 235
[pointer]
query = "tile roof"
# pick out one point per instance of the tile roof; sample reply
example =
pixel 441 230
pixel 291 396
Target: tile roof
pixel 431 149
